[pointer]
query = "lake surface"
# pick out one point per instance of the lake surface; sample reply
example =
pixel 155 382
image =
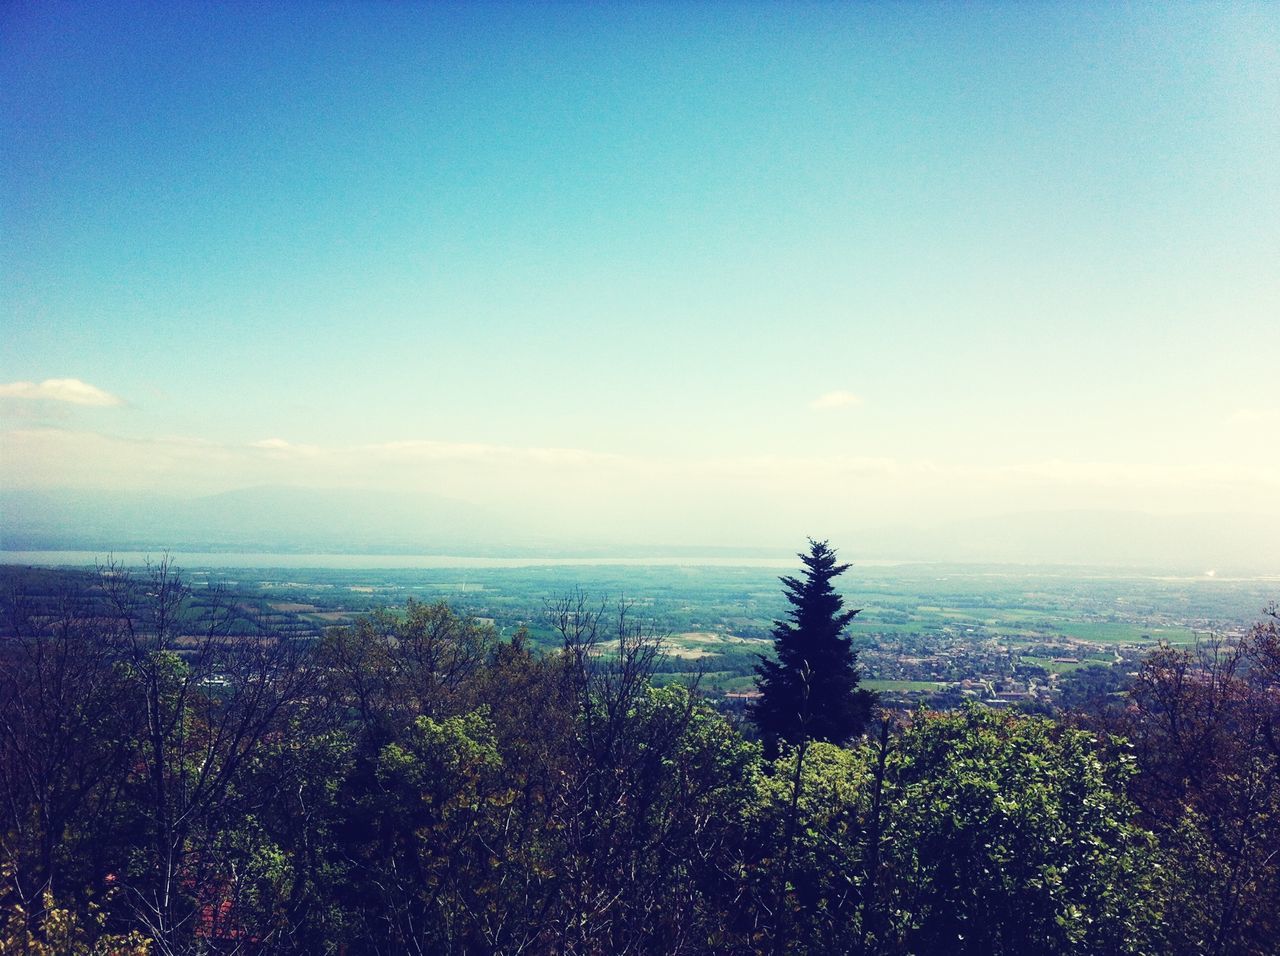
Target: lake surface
pixel 214 559
pixel 188 560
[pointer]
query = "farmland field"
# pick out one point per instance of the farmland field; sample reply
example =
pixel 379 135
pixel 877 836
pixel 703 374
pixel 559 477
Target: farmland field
pixel 920 627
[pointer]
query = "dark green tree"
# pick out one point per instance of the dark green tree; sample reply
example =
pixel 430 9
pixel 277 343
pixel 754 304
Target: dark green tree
pixel 811 691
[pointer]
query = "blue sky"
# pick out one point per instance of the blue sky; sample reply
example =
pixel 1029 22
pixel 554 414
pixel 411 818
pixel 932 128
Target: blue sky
pixel 628 261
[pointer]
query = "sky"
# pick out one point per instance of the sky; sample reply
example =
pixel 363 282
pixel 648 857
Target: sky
pixel 696 272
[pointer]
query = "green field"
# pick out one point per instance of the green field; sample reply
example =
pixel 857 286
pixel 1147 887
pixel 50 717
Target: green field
pixel 921 628
pixel 1063 667
pixel 920 685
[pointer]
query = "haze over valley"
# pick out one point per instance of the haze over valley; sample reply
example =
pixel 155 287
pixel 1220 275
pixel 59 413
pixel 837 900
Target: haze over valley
pixel 301 521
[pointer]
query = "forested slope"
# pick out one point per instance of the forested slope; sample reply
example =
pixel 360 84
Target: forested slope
pixel 173 782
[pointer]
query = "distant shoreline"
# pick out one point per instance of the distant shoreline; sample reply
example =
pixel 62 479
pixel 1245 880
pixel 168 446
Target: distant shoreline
pixel 218 559
pixel 261 560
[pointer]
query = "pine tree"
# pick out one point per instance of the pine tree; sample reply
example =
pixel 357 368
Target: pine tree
pixel 811 691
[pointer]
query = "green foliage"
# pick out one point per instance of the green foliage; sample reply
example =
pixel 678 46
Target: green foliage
pixel 412 784
pixel 1008 834
pixel 59 931
pixel 972 832
pixel 443 799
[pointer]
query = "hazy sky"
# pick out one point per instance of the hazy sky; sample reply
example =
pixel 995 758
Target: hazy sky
pixel 716 264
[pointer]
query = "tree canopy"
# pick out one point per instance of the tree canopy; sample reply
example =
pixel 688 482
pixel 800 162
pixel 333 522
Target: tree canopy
pixel 412 783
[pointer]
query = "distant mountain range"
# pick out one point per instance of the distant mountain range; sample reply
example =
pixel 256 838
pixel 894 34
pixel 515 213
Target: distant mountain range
pixel 269 519
pixel 1223 543
pixel 298 520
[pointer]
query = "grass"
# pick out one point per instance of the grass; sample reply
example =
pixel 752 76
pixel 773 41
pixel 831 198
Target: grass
pixel 1061 667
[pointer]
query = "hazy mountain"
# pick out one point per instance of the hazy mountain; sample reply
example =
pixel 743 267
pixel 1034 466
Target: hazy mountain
pixel 254 519
pixel 1195 543
pixel 276 519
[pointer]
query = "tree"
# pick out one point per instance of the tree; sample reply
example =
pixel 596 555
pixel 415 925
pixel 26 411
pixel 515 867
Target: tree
pixel 132 718
pixel 811 691
pixel 1205 727
pixel 971 833
pixel 1010 834
pixel 214 699
pixel 65 740
pixel 652 785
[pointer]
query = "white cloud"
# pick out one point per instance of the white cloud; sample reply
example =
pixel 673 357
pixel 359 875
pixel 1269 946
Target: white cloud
pixel 70 390
pixel 424 450
pixel 836 399
pixel 415 448
pixel 279 446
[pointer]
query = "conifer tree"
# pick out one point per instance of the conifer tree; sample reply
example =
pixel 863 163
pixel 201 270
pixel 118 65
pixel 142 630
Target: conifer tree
pixel 811 691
